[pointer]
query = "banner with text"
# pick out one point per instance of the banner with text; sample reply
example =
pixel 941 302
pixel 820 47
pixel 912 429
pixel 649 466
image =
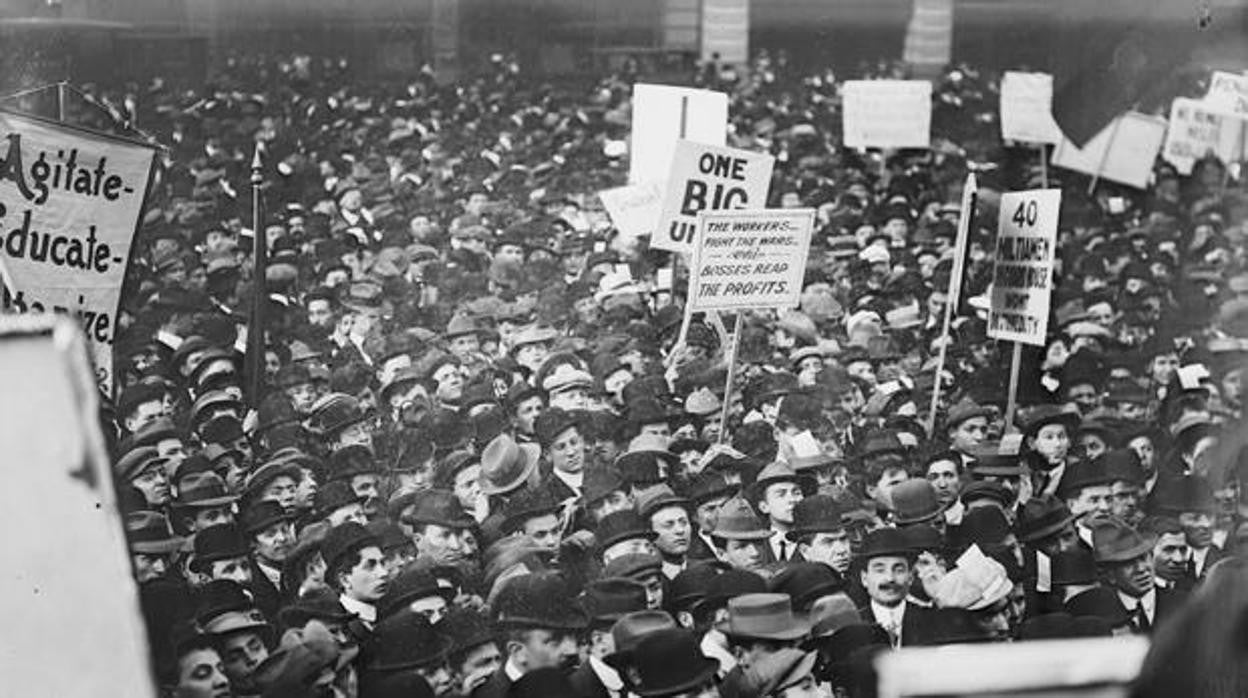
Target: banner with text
pixel 70 202
pixel 726 31
pixel 887 113
pixel 1123 152
pixel 664 114
pixel 1228 94
pixel 750 259
pixel 634 208
pixel 708 178
pixel 1027 108
pixel 1195 131
pixel 1022 275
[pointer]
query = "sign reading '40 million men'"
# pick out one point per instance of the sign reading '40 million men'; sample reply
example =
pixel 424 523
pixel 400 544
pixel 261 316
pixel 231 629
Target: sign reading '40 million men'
pixel 1022 276
pixel 70 202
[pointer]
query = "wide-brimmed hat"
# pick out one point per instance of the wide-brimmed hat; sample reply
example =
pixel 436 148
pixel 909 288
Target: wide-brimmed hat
pixel 630 629
pixel 406 641
pixel 620 526
pixel 261 515
pixel 506 465
pixel 441 508
pixel 775 672
pixel 538 600
pixel 148 532
pixel 203 490
pixel 805 582
pixel 820 513
pixel 1041 517
pixel 344 539
pixel 320 605
pixel 635 566
pixel 1174 495
pixel 260 478
pixel 708 485
pixel 301 656
pixel 832 613
pixel 219 542
pixel 915 501
pixel 1080 475
pixel 1115 541
pixel 665 662
pixel 779 471
pixel 737 520
pixel 1030 421
pixel 413 583
pixel 963 410
pixel 609 599
pixel 763 616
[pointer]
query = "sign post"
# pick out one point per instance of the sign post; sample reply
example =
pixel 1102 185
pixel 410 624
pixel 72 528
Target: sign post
pixel 1022 275
pixel 970 192
pixel 746 260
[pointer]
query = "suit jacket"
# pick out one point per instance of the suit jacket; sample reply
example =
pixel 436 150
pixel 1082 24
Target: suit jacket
pixel 1169 602
pixel 498 686
pixel 699 549
pixel 586 684
pixel 919 626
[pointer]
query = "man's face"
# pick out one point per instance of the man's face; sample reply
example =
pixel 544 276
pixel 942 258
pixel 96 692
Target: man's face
pixel 478 664
pixel 349 512
pixel 617 500
pixel 364 486
pixel 1143 447
pixel 1124 500
pixel 707 513
pixel 778 501
pixel 513 254
pixel 363 321
pixel 433 608
pixel 281 490
pixel 234 569
pixel 154 484
pixel 672 526
pixel 1133 578
pixel 527 413
pixel 144 414
pixel 464 346
pixel 567 452
pixel 467 487
pixel 743 554
pixel 1091 503
pixel 1170 555
pixel 549 649
pixel 302 396
pixel 1198 527
pixel 1085 396
pixel 476 203
pixel 887 579
pixel 306 490
pixel 628 546
pixel 211 516
pixel 571 399
pixel 883 489
pixel 450 382
pixel 149 566
pixel 533 355
pixel 1052 442
pixel 368 580
pixel 1163 367
pixel 357 434
pixel 440 545
pixel 201 674
pixel 242 652
pixel 273 543
pixel 544 531
pixel 661 429
pixel 172 450
pixel 966 436
pixel 943 474
pixel 654 590
pixel 832 548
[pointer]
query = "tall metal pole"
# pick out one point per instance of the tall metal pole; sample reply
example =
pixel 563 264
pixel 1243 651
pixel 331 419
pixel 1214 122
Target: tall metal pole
pixel 259 296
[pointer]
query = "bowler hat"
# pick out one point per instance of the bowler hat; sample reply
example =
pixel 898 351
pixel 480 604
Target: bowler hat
pixel 1030 421
pixel 467 628
pixel 609 599
pixel 832 613
pixel 649 410
pixel 1041 517
pixel 737 520
pixel 528 504
pixel 413 583
pixel 631 628
pixel 260 478
pixel 805 582
pixel 1071 567
pixel 441 508
pixel 351 460
pixel 885 542
pixel 763 616
pixel 1175 495
pixel 506 465
pixel 1081 475
pixel 219 542
pixel 729 584
pixel 547 682
pixel 344 539
pixel 152 434
pixel 148 532
pixel 261 515
pixel 1114 541
pixel 319 605
pixel 538 600
pixel 820 513
pixel 620 526
pixel 553 422
pixel 600 482
pixel 708 485
pixel 915 501
pixel 991 490
pixel 406 641
pixel 636 566
pixel 666 662
pixel 332 497
pixel 690 585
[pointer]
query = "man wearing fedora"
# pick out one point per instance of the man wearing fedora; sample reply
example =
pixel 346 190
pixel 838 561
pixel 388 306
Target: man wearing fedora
pixel 605 601
pixel 438 526
pixel 203 500
pixel 540 629
pixel 666 663
pixel 740 536
pixel 271 533
pixel 821 533
pixel 757 627
pixel 775 492
pixel 1124 559
pixel 887 572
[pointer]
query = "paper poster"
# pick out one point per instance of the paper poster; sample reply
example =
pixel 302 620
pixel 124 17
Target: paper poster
pixel 1194 132
pixel 662 115
pixel 708 178
pixel 887 113
pixel 750 259
pixel 1123 152
pixel 1027 108
pixel 1022 275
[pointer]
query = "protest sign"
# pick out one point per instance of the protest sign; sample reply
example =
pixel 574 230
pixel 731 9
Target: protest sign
pixel 1022 275
pixel 929 35
pixel 1228 94
pixel 708 178
pixel 662 115
pixel 750 259
pixel 726 31
pixel 70 202
pixel 1124 151
pixel 634 208
pixel 1195 131
pixel 1027 108
pixel 887 113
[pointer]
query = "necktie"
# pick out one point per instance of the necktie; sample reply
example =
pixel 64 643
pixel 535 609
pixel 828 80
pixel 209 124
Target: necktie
pixel 1141 617
pixel 784 550
pixel 894 630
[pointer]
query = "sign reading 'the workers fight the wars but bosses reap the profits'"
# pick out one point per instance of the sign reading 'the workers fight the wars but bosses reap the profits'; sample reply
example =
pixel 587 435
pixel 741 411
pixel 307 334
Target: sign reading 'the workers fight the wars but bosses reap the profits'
pixel 1022 275
pixel 708 178
pixel 70 202
pixel 750 259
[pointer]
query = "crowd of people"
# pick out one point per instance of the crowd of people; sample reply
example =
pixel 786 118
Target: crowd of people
pixel 483 463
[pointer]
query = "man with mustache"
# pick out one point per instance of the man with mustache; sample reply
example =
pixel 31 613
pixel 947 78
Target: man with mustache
pixel 1124 559
pixel 887 563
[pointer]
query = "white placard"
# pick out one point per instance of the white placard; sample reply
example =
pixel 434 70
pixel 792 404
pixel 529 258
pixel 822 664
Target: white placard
pixel 726 31
pixel 634 208
pixel 1022 275
pixel 1123 152
pixel 1195 131
pixel 1228 94
pixel 708 178
pixel 887 113
pixel 1027 108
pixel 750 259
pixel 662 115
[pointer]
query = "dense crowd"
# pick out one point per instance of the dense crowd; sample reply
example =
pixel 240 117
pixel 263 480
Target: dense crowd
pixel 482 463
